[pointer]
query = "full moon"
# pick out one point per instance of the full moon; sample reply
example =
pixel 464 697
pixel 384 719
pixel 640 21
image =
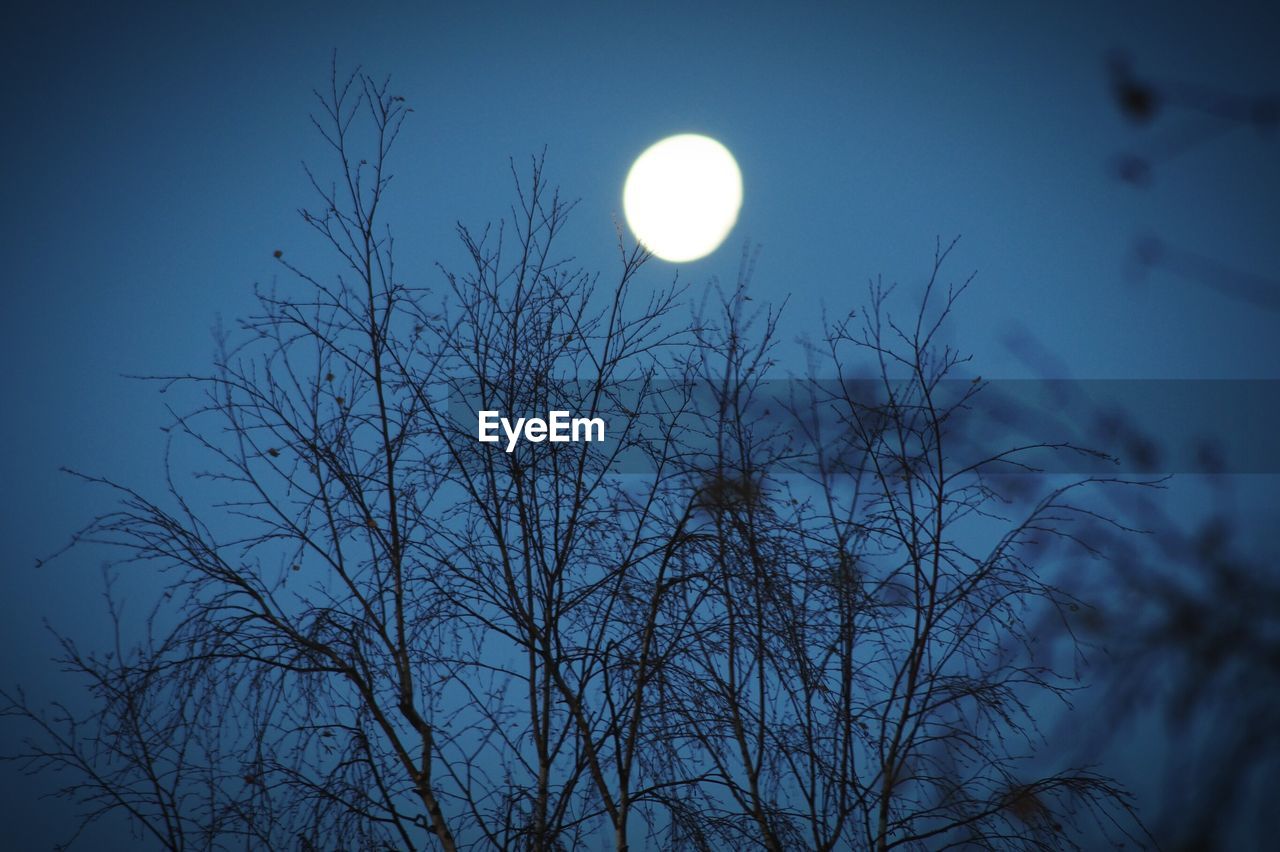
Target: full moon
pixel 682 197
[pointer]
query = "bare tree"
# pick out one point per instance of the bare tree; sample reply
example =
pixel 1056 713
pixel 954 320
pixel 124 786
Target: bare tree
pixel 864 660
pixel 379 632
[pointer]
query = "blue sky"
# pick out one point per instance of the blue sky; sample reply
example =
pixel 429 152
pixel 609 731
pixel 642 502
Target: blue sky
pixel 152 165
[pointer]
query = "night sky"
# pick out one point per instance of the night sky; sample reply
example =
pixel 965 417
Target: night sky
pixel 152 159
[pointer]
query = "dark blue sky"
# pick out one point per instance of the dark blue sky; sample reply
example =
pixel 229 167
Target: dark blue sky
pixel 151 159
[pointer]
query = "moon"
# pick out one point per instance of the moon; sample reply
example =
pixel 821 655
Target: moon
pixel 682 197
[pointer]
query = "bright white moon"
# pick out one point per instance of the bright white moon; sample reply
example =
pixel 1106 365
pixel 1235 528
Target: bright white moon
pixel 682 197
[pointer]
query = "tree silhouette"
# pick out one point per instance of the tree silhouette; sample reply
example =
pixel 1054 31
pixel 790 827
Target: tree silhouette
pixel 377 632
pixel 1179 118
pixel 1189 624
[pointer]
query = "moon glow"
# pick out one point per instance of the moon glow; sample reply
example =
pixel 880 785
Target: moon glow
pixel 682 197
